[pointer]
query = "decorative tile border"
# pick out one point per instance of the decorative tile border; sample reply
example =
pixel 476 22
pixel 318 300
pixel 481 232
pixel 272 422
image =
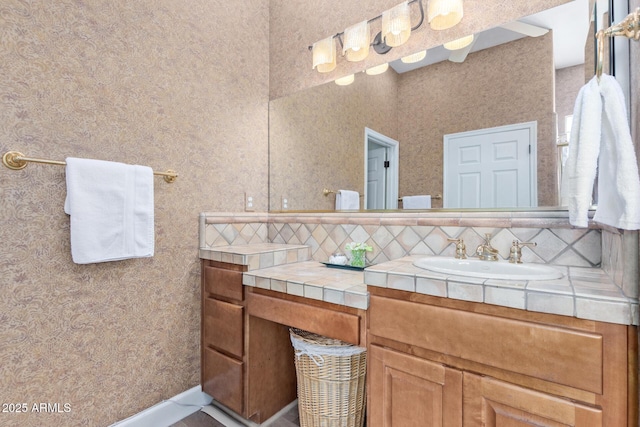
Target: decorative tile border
pixel 554 246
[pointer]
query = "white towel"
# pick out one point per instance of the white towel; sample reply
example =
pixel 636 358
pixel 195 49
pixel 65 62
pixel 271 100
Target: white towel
pixel 601 141
pixel 111 209
pixel 347 200
pixel 416 202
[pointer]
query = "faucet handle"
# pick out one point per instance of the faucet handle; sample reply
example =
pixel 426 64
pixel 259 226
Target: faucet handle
pixel 515 253
pixel 461 249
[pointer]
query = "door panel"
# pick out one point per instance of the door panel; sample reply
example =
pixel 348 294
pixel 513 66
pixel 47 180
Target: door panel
pixel 490 168
pixel 376 178
pixel 406 391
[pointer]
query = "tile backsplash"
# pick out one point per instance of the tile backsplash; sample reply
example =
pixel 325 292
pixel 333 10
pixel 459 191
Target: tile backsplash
pixel 395 235
pixel 580 248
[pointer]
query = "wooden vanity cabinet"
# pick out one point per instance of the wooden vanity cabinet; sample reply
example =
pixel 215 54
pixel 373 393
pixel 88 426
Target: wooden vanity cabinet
pixel 222 334
pixel 443 362
pixel 246 362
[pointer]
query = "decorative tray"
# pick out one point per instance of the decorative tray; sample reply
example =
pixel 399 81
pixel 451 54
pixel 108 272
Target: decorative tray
pixel 345 267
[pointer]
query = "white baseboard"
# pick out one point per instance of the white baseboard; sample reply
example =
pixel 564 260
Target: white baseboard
pixel 169 411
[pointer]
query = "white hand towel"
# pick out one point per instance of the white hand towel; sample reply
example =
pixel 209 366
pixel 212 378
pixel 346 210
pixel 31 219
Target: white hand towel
pixel 111 209
pixel 347 200
pixel 584 147
pixel 416 202
pixel 601 141
pixel 618 181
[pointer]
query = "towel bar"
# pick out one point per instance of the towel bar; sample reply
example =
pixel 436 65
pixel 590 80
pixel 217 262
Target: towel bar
pixel 15 160
pixel 435 197
pixel 629 28
pixel 326 192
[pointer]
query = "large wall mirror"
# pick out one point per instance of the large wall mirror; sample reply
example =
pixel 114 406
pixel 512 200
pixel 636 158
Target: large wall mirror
pixel 513 76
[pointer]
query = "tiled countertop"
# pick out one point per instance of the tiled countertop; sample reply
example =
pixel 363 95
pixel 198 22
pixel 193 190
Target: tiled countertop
pixel 311 279
pixel 257 255
pixel 586 293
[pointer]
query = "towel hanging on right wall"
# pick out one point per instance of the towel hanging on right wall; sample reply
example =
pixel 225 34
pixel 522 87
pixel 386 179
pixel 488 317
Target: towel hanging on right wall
pixel 601 142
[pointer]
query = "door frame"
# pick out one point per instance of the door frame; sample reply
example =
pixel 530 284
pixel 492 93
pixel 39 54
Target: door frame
pixel 533 155
pixel 392 172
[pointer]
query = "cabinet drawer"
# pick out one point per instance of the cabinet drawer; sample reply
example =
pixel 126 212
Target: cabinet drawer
pixel 561 355
pixel 223 326
pixel 226 283
pixel 222 379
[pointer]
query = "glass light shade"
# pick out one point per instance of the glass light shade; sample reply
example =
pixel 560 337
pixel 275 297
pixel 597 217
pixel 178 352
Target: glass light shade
pixel 378 69
pixel 459 43
pixel 324 55
pixel 356 42
pixel 396 25
pixel 345 81
pixel 416 57
pixel 443 14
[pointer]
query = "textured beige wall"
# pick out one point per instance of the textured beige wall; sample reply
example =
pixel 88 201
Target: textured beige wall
pixel 568 83
pixel 168 84
pixel 305 22
pixel 316 138
pixel 494 87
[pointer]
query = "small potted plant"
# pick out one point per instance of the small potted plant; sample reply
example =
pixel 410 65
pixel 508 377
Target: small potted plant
pixel 358 250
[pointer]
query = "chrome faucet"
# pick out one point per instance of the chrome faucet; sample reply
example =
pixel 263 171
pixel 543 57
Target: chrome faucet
pixel 461 249
pixel 485 251
pixel 515 253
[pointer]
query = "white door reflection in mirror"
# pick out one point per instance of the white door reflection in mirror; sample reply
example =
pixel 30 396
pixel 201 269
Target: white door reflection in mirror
pixel 380 171
pixel 376 176
pixel 491 168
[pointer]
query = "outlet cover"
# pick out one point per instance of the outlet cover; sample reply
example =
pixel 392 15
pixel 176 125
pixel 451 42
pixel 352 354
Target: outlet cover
pixel 248 203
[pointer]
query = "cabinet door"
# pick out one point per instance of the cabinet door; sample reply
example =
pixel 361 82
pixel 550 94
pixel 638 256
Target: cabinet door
pixel 405 391
pixel 489 402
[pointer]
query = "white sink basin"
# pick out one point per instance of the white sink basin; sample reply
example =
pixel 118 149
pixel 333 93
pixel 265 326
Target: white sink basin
pixel 488 269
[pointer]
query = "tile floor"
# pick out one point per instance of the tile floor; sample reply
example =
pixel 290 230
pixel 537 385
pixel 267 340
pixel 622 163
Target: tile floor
pixel 202 419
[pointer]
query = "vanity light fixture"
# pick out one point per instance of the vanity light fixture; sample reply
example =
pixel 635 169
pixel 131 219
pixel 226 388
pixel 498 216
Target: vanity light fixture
pixel 345 81
pixel 416 57
pixel 378 69
pixel 396 25
pixel 356 42
pixel 459 43
pixel 443 14
pixel 324 55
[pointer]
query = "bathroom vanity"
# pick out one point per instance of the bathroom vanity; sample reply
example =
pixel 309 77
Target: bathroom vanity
pixel 443 349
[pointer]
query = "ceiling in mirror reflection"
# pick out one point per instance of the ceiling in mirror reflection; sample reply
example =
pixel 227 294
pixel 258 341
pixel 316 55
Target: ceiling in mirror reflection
pixel 569 36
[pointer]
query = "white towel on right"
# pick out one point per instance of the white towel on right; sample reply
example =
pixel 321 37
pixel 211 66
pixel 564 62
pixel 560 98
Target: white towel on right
pixel 602 141
pixel 416 202
pixel 347 200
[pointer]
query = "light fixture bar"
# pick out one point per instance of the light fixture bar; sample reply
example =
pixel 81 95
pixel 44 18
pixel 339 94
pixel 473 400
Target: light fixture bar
pixel 340 34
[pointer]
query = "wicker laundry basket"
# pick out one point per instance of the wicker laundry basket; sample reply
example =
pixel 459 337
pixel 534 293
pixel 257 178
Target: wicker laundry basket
pixel 331 380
